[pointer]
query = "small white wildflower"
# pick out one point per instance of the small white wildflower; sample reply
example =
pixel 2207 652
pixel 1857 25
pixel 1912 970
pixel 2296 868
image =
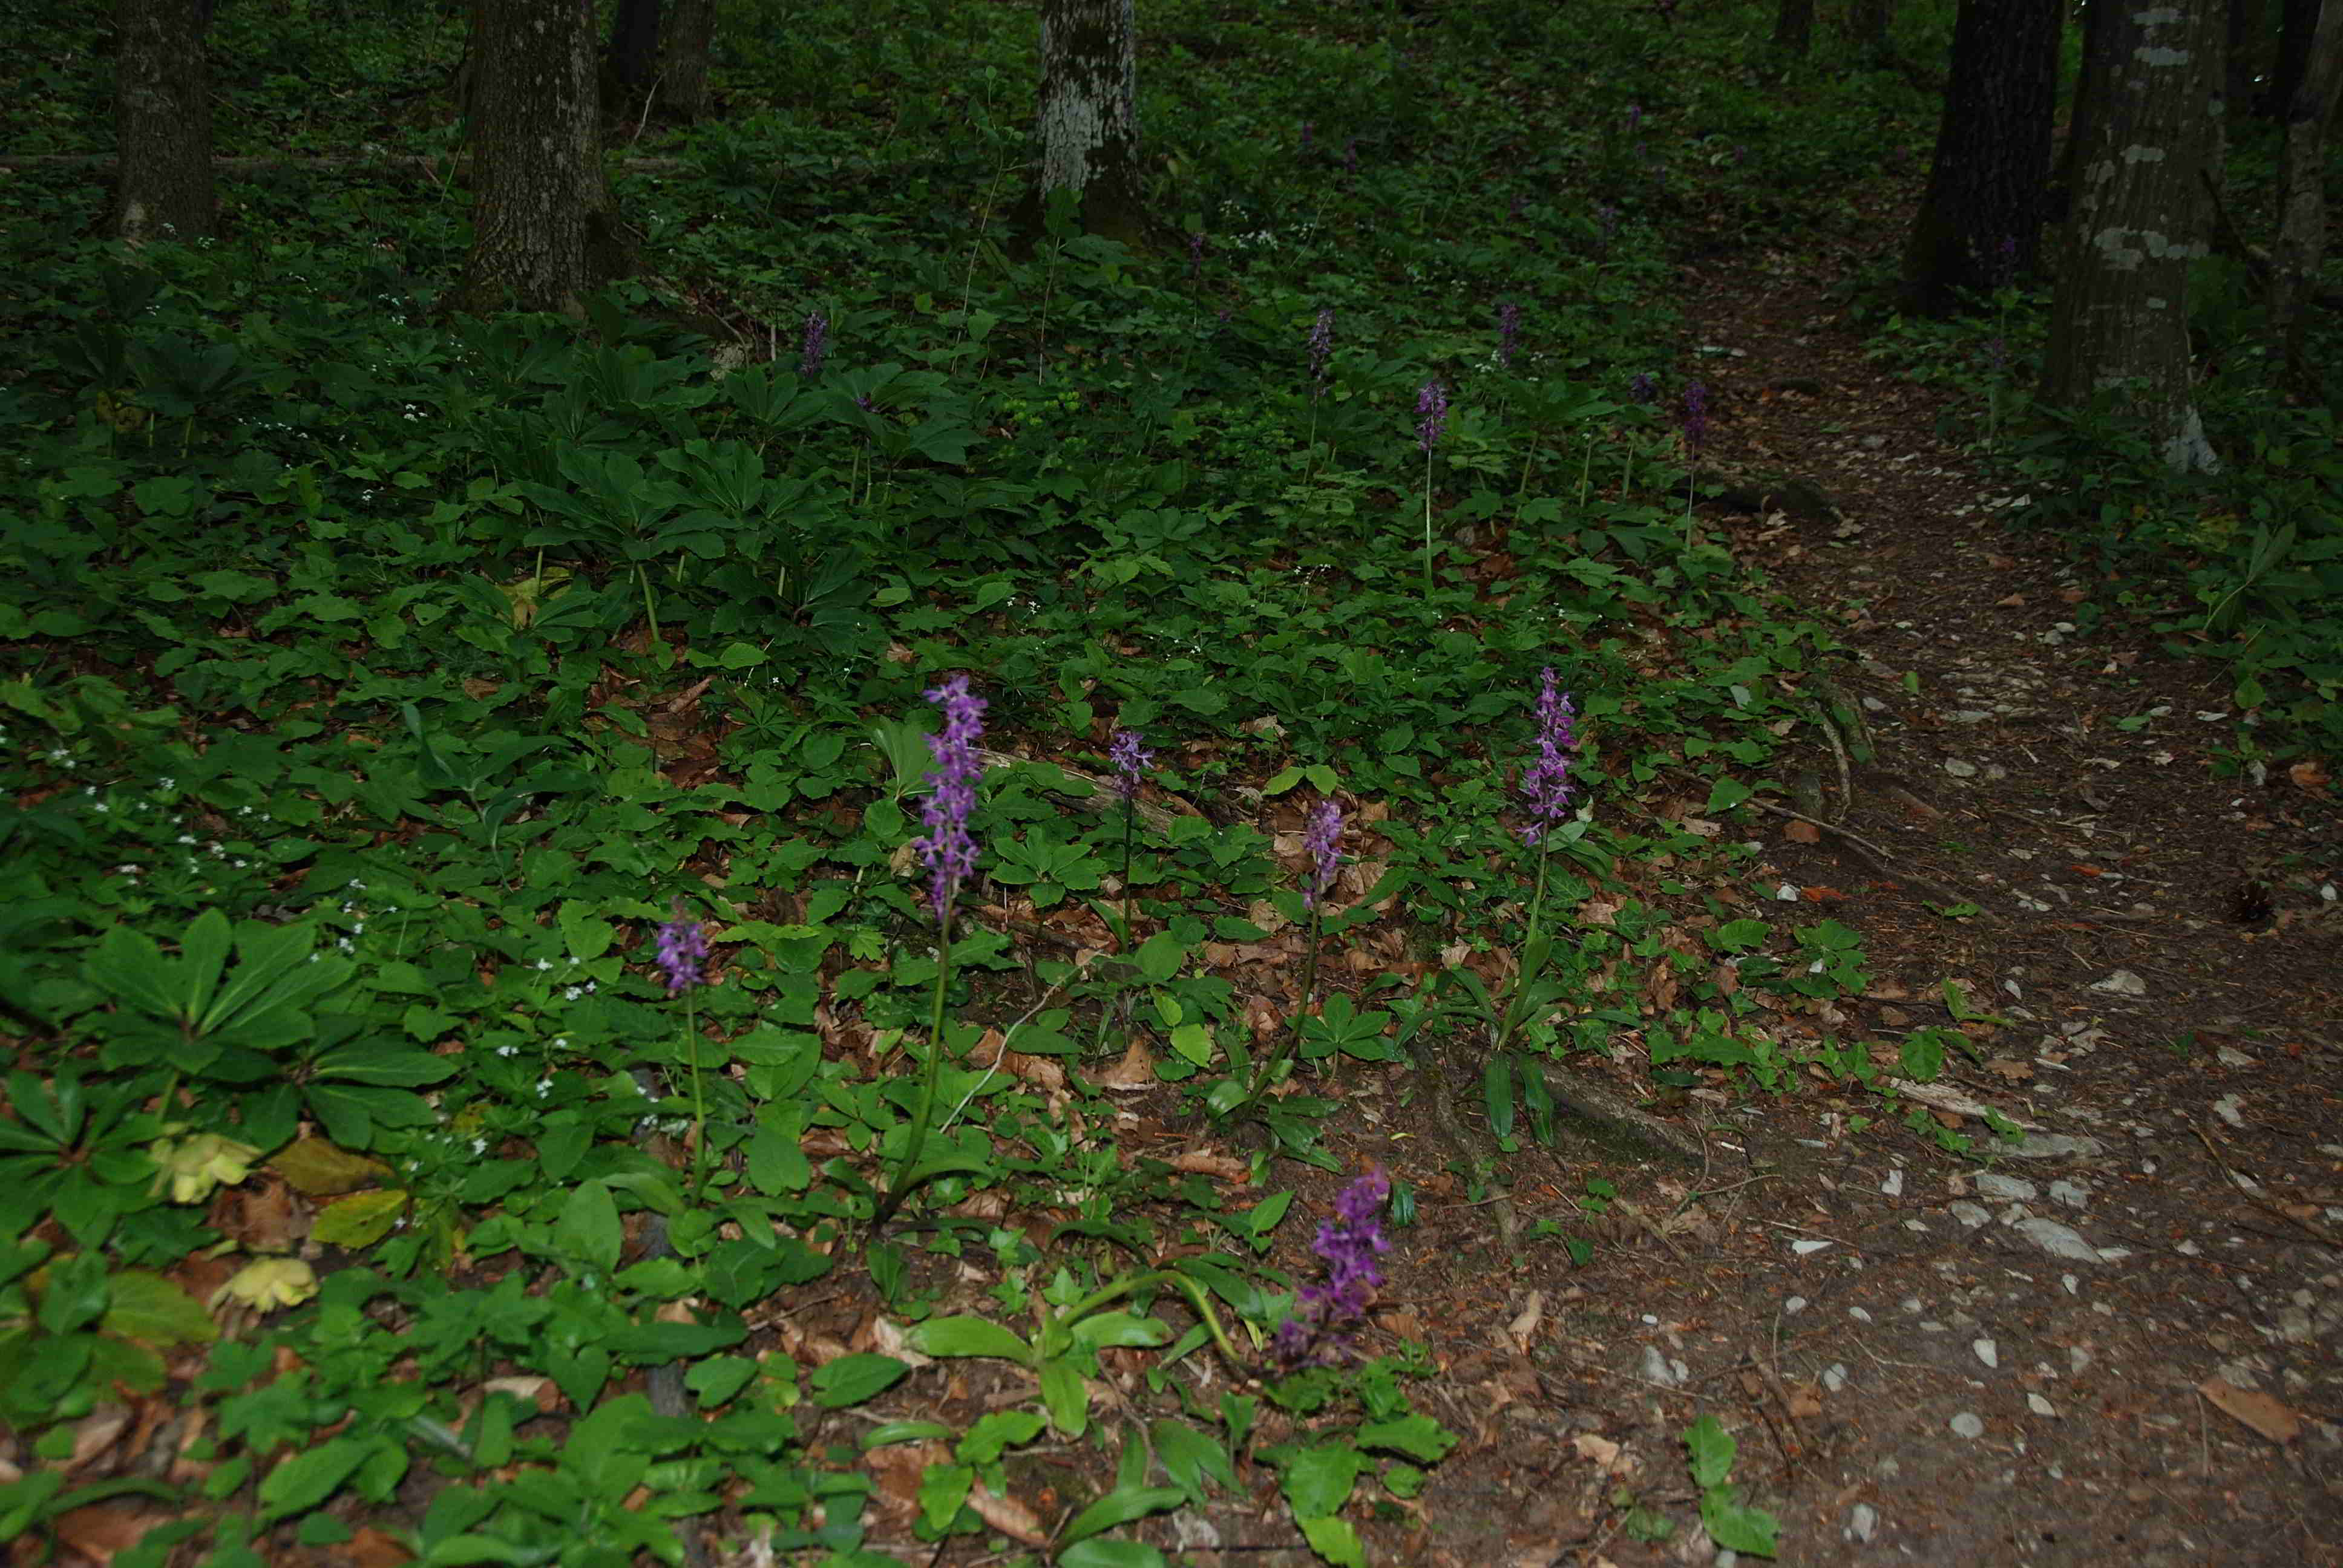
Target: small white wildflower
pixel 543 965
pixel 166 783
pixel 479 1146
pixel 544 1087
pixel 507 1050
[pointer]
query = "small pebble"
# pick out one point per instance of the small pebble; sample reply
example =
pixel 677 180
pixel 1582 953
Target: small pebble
pixel 1967 1425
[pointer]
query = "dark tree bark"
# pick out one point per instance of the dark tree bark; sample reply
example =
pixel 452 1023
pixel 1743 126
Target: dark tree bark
pixel 1869 25
pixel 2297 24
pixel 684 44
pixel 2244 54
pixel 1090 117
pixel 1980 223
pixel 2301 245
pixel 1793 28
pixel 2121 317
pixel 634 47
pixel 545 234
pixel 163 120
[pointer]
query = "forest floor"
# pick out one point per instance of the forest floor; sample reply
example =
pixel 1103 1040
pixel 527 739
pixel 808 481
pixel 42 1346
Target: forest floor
pixel 2117 1341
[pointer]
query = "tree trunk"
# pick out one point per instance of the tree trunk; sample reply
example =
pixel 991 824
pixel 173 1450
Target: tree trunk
pixel 163 121
pixel 1793 28
pixel 2243 59
pixel 2120 315
pixel 1980 224
pixel 545 234
pixel 2301 245
pixel 634 45
pixel 690 35
pixel 2297 26
pixel 1869 24
pixel 1090 117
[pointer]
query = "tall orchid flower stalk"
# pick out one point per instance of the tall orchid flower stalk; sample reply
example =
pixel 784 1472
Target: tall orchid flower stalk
pixel 1131 760
pixel 1322 355
pixel 682 957
pixel 949 854
pixel 1431 407
pixel 1546 789
pixel 1322 837
pixel 1695 432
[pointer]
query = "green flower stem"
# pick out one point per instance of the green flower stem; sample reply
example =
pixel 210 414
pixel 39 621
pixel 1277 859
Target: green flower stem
pixel 926 1115
pixel 1517 1004
pixel 699 1103
pixel 1427 525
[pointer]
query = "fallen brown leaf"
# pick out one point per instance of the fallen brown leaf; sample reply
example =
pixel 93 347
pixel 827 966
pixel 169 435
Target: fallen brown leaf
pixel 1008 1516
pixel 2257 1410
pixel 1136 1071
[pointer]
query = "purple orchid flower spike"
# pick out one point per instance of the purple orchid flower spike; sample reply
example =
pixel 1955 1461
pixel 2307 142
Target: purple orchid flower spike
pixel 948 850
pixel 682 952
pixel 1546 785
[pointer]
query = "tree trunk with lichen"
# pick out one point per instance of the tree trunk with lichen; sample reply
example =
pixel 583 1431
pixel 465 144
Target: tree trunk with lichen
pixel 1980 223
pixel 684 44
pixel 544 231
pixel 2119 319
pixel 163 120
pixel 2301 248
pixel 1088 118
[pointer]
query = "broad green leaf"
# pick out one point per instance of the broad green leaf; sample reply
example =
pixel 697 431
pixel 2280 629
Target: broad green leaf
pixel 310 1476
pixel 1335 1541
pixel 1318 1480
pixel 129 966
pixel 151 1309
pixel 1098 1554
pixel 995 1434
pixel 382 1064
pixel 1066 1398
pixel 1417 1436
pixel 588 1229
pixel 360 1220
pixel 317 1169
pixel 943 1488
pixel 203 955
pixel 965 1336
pixel 1736 1526
pixel 1101 1331
pixel 1712 1449
pixel 716 1380
pixel 1120 1506
pixel 851 1379
pixel 1189 1458
pixel 1497 1092
pixel 1161 956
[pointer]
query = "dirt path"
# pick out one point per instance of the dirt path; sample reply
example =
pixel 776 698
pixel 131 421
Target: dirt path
pixel 2122 1344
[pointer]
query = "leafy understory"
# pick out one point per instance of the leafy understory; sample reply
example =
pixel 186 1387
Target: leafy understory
pixel 547 1028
